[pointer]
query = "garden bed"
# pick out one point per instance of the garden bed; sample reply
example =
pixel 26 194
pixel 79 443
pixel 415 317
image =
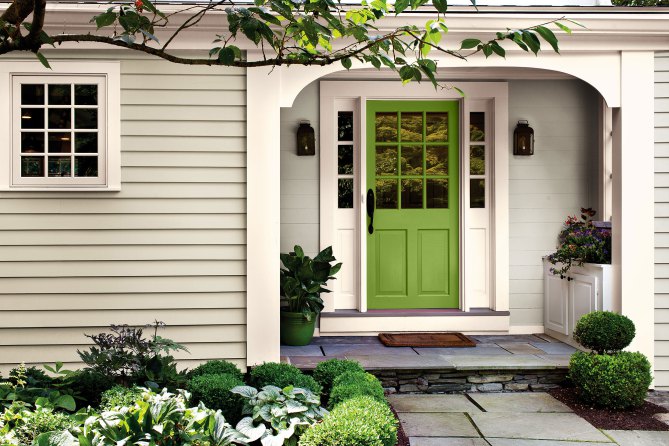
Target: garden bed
pixel 402 439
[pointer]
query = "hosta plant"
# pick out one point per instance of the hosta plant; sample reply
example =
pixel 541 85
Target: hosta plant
pixel 278 416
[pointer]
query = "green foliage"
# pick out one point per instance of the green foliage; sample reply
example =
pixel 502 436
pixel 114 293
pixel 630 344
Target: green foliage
pixel 217 367
pixel 33 376
pixel 303 280
pixel 21 426
pixel 327 371
pixel 617 381
pixel 119 396
pixel 282 375
pixel 604 331
pixel 214 392
pixel 353 384
pixel 640 2
pixel 361 421
pixel 278 416
pixel 581 242
pixel 87 386
pixel 17 389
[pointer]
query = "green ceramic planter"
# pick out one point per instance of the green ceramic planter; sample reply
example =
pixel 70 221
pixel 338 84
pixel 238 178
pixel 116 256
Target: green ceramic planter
pixel 295 329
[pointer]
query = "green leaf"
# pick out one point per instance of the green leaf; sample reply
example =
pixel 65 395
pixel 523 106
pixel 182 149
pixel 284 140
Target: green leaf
pixel 576 23
pixel 497 48
pixel 563 27
pixel 43 60
pixel 226 56
pixel 549 37
pixel 469 44
pixel 66 402
pixel 406 73
pixel 440 5
pixel 347 63
pixel 105 19
pixel 401 5
pixel 532 41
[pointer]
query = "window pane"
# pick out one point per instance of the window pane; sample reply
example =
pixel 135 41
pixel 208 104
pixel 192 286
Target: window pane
pixel 386 160
pixel 476 193
pixel 86 166
pixel 477 126
pixel 32 118
pixel 345 161
pixel 59 166
pixel 412 194
pixel 412 127
pixel 85 142
pixel 386 194
pixel 436 160
pixel 85 118
pixel 60 118
pixel 477 160
pixel 32 94
pixel 32 142
pixel 386 127
pixel 60 94
pixel 345 193
pixel 32 166
pixel 59 142
pixel 412 160
pixel 437 127
pixel 86 94
pixel 345 126
pixel 437 193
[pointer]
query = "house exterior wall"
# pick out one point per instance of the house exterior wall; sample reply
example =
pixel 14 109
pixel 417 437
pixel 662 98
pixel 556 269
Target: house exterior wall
pixel 170 246
pixel 662 220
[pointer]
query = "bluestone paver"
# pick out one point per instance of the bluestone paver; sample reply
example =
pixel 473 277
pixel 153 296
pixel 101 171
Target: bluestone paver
pixel 521 348
pixel 306 350
pixel 553 348
pixel 519 403
pixel 432 403
pixel 506 338
pixel 517 442
pixel 437 425
pixel 309 362
pixel 366 350
pixel 445 441
pixel 406 362
pixel 639 438
pixel 346 340
pixel 459 351
pixel 561 361
pixel 537 426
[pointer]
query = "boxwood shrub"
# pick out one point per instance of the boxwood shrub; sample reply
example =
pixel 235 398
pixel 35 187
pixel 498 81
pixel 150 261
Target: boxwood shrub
pixel 326 371
pixel 120 396
pixel 216 367
pixel 604 331
pixel 214 392
pixel 353 384
pixel 360 421
pixel 617 381
pixel 282 375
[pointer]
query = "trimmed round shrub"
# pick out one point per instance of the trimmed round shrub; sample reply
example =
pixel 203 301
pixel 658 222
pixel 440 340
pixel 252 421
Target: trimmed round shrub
pixel 214 392
pixel 617 381
pixel 120 396
pixel 87 386
pixel 326 371
pixel 216 367
pixel 361 421
pixel 353 384
pixel 604 331
pixel 282 375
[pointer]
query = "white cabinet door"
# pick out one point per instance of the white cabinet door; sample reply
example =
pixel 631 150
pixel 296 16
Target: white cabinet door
pixel 556 304
pixel 582 297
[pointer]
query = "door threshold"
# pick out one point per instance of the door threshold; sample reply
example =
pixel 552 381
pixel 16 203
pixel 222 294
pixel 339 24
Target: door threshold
pixel 427 312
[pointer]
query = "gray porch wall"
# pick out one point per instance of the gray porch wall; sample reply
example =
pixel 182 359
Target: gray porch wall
pixel 544 188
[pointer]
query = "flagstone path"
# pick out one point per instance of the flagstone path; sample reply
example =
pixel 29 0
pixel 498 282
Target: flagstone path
pixel 505 419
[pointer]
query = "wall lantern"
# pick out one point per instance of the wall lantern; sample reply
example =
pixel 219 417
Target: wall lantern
pixel 523 139
pixel 306 139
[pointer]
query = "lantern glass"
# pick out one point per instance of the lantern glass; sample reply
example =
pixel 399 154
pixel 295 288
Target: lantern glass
pixel 523 139
pixel 306 140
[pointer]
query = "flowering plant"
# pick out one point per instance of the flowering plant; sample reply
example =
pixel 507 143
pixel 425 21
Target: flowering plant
pixel 580 241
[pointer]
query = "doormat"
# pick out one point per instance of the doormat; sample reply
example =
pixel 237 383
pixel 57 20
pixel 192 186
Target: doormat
pixel 425 340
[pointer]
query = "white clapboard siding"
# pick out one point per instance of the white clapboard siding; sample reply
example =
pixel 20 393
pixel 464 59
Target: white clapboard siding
pixel 544 188
pixel 662 220
pixel 170 246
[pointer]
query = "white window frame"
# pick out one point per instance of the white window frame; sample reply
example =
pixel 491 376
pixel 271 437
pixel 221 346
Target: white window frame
pixel 107 75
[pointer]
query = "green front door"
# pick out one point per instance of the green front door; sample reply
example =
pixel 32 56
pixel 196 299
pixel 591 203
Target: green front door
pixel 413 173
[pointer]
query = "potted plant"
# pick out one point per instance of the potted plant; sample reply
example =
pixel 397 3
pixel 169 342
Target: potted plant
pixel 302 282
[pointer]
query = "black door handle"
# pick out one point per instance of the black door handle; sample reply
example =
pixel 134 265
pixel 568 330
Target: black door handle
pixel 371 202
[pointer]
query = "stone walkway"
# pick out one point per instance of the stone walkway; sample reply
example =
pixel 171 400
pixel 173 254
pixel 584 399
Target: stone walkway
pixel 505 419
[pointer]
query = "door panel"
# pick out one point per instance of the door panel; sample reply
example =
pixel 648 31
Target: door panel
pixel 413 171
pixel 556 303
pixel 582 297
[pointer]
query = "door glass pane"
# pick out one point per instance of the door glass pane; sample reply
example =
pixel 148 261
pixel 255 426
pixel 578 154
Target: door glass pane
pixel 386 194
pixel 86 94
pixel 412 160
pixel 386 160
pixel 386 127
pixel 476 193
pixel 477 126
pixel 32 94
pixel 345 126
pixel 59 142
pixel 477 160
pixel 436 160
pixel 437 127
pixel 85 118
pixel 345 193
pixel 32 166
pixel 86 142
pixel 60 94
pixel 32 118
pixel 345 161
pixel 59 166
pixel 412 127
pixel 412 194
pixel 60 118
pixel 86 166
pixel 32 142
pixel 437 193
